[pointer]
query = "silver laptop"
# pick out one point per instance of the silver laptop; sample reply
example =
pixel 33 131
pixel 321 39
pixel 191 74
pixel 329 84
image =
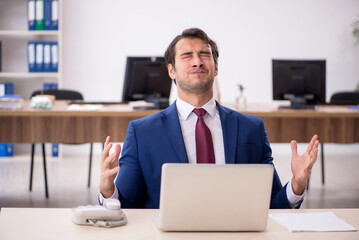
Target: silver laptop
pixel 207 197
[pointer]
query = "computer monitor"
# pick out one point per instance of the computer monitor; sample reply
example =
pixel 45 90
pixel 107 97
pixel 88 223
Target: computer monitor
pixel 300 81
pixel 146 78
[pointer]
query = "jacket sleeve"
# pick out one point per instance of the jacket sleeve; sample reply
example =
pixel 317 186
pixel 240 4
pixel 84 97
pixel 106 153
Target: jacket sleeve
pixel 279 195
pixel 130 181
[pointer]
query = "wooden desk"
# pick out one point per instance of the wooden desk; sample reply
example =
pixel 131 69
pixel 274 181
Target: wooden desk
pixel 333 124
pixel 63 126
pixel 34 223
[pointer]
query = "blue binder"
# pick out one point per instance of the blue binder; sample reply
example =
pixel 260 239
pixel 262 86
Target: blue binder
pixel 31 14
pixel 54 86
pixel 39 17
pixel 9 88
pixel 6 149
pixel 54 57
pixel 47 14
pixel 55 15
pixel 48 86
pixel 55 149
pixel 3 149
pixel 39 60
pixel 31 56
pixel 9 149
pixel 47 57
pixel 6 89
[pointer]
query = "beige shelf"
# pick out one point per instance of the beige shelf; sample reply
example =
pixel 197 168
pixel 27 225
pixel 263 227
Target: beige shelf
pixel 29 75
pixel 13 33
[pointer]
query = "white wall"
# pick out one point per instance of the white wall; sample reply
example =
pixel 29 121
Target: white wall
pixel 98 35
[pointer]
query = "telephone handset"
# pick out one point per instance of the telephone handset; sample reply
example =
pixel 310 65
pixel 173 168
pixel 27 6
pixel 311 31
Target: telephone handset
pixel 108 215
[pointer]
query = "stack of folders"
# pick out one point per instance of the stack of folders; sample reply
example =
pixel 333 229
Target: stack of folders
pixel 42 56
pixel 43 14
pixel 10 102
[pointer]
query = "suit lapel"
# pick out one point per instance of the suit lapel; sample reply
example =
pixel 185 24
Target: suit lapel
pixel 230 131
pixel 172 128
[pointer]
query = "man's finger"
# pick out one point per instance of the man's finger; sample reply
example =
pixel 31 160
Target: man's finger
pixel 315 146
pixel 314 155
pixel 112 171
pixel 293 145
pixel 113 157
pixel 117 153
pixel 107 140
pixel 311 144
pixel 105 152
pixel 118 149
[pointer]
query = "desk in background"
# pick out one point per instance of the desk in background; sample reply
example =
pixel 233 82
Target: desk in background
pixel 35 223
pixel 63 126
pixel 333 124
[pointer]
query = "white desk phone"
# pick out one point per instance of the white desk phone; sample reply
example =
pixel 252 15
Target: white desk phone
pixel 108 215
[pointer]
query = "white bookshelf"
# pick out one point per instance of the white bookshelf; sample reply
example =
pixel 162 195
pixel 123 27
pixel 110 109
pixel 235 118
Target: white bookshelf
pixel 14 35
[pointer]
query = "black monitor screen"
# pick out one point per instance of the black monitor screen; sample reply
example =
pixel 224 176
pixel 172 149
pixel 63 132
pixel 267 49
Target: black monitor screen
pixel 300 81
pixel 146 78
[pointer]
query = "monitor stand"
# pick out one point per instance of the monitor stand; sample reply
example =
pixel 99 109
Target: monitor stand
pixel 298 103
pixel 313 107
pixel 158 103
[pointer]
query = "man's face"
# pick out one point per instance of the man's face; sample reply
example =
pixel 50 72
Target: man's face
pixel 194 69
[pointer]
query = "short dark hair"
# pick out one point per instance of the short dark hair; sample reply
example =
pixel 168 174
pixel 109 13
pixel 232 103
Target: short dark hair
pixel 190 33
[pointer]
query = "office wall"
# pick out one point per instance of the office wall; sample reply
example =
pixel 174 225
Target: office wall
pixel 98 35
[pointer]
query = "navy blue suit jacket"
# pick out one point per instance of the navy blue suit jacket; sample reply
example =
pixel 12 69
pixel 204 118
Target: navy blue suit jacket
pixel 157 139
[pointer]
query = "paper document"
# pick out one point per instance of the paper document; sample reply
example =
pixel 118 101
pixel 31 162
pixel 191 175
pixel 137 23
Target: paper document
pixel 84 107
pixel 311 222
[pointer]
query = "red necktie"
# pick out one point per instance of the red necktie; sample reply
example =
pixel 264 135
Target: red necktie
pixel 204 143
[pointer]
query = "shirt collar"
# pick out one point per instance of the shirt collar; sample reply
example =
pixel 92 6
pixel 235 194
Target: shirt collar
pixel 184 109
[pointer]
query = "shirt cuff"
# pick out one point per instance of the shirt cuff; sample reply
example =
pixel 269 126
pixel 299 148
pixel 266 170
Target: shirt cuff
pixel 293 199
pixel 101 198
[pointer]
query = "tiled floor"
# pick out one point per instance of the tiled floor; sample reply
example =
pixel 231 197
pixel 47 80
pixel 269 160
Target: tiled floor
pixel 67 179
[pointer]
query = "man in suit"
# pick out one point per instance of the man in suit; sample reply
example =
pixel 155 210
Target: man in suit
pixel 169 136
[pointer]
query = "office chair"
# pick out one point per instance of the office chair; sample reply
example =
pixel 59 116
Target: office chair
pixel 345 98
pixel 59 95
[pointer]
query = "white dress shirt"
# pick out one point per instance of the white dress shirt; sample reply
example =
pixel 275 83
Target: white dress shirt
pixel 188 120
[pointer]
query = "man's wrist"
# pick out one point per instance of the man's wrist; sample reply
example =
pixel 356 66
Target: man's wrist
pixel 107 193
pixel 297 189
pixel 101 197
pixel 294 199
